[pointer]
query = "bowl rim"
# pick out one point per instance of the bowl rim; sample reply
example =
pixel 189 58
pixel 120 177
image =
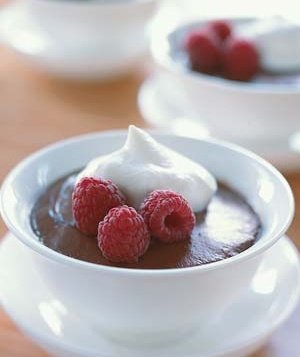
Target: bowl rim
pixel 159 46
pixel 115 4
pixel 48 253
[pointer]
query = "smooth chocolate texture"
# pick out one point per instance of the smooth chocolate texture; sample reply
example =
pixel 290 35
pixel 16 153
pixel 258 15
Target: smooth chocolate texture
pixel 227 227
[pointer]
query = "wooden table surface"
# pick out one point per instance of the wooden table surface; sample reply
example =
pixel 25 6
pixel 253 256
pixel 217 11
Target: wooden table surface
pixel 36 110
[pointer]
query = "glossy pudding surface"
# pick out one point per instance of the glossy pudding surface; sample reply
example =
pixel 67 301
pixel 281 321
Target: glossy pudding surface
pixel 227 227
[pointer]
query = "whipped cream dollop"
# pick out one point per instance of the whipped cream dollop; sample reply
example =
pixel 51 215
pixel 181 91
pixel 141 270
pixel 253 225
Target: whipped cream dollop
pixel 143 165
pixel 278 42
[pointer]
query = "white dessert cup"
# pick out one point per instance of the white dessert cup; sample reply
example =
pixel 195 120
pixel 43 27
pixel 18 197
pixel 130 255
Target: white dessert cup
pixel 232 110
pixel 147 306
pixel 80 40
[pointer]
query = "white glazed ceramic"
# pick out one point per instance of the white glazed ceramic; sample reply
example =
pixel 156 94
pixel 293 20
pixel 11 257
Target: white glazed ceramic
pixel 148 306
pixel 231 109
pixel 62 16
pixel 266 303
pixel 160 112
pixel 92 39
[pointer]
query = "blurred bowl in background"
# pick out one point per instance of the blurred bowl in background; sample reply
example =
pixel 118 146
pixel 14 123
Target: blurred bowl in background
pixel 75 39
pixel 237 111
pixel 160 112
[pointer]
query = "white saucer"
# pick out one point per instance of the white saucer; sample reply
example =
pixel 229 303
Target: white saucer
pixel 271 298
pixel 160 112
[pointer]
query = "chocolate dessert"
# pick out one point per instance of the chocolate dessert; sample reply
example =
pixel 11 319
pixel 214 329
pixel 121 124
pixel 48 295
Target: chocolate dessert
pixel 221 48
pixel 227 227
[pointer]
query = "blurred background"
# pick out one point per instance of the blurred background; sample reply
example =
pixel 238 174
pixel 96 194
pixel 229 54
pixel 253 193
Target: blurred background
pixel 69 67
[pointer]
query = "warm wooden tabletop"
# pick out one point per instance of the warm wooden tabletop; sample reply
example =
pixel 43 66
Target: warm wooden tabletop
pixel 35 111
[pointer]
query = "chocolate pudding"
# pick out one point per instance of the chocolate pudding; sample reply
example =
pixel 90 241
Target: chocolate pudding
pixel 227 227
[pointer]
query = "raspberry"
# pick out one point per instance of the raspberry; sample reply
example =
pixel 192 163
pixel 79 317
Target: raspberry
pixel 241 59
pixel 204 51
pixel 221 28
pixel 168 216
pixel 91 200
pixel 123 235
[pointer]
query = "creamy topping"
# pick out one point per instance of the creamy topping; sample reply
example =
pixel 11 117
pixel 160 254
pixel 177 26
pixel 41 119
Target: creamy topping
pixel 143 165
pixel 278 43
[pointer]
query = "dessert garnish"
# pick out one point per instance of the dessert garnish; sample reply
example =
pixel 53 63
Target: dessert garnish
pixel 91 200
pixel 204 51
pixel 143 165
pixel 163 185
pixel 278 42
pixel 240 59
pixel 221 28
pixel 216 49
pixel 123 235
pixel 168 216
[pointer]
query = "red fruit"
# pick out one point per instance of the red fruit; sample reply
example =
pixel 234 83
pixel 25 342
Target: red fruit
pixel 204 51
pixel 91 200
pixel 168 216
pixel 123 235
pixel 221 28
pixel 241 59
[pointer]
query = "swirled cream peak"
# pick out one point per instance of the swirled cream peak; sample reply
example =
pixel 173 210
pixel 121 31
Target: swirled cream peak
pixel 143 165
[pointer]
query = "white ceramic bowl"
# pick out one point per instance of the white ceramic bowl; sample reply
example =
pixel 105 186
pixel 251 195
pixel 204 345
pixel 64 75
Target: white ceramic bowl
pixel 233 110
pixel 147 306
pixel 80 39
